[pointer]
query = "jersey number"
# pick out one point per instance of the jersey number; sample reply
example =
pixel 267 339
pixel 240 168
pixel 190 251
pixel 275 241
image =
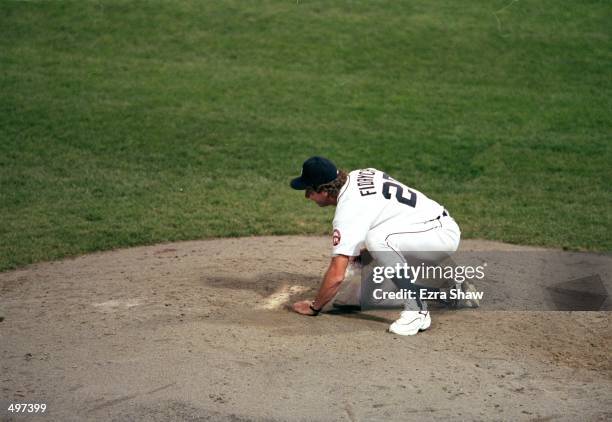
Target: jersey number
pixel 399 191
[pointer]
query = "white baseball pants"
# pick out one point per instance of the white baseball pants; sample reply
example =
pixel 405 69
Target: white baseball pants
pixel 395 242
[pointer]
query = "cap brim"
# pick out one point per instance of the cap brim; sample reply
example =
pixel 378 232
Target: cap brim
pixel 298 184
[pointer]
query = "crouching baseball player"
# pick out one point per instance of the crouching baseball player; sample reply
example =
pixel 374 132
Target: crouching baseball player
pixel 395 223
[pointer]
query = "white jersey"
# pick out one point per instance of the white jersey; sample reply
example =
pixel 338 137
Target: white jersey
pixel 370 198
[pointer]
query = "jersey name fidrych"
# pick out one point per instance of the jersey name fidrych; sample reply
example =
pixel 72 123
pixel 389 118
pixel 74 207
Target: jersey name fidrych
pixel 371 197
pixel 365 182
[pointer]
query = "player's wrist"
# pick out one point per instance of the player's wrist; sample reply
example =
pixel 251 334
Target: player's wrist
pixel 314 309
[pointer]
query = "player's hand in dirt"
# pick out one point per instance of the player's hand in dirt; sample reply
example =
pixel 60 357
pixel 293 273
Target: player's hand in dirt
pixel 303 308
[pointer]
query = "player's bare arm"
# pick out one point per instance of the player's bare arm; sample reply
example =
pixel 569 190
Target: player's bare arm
pixel 334 276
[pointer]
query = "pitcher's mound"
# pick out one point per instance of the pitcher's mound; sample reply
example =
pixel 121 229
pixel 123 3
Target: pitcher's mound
pixel 202 331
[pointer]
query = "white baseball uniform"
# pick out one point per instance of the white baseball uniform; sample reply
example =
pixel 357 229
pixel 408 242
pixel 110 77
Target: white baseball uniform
pixel 393 222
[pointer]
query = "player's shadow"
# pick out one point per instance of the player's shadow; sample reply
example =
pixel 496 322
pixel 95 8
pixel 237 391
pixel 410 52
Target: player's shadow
pixel 354 311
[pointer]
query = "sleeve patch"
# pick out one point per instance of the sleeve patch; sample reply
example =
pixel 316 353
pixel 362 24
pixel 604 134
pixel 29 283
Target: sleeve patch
pixel 336 237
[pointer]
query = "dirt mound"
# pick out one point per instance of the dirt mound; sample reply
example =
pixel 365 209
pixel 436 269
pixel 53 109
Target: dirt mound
pixel 200 331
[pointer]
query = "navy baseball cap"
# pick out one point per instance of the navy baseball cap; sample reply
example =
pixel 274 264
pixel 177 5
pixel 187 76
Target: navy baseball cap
pixel 316 171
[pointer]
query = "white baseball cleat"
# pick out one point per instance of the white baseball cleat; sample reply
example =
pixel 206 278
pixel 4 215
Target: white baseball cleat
pixel 410 323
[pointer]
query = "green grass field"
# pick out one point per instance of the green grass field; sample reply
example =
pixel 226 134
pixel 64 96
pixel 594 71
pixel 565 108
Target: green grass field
pixel 126 123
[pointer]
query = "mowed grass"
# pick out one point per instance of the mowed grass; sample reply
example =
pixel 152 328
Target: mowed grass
pixel 125 123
